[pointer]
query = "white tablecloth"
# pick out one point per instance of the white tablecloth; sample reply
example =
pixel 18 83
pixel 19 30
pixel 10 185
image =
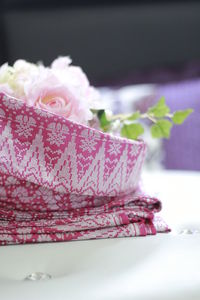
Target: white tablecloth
pixel 165 266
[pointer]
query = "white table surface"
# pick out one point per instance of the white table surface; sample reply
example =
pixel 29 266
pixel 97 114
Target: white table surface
pixel 161 267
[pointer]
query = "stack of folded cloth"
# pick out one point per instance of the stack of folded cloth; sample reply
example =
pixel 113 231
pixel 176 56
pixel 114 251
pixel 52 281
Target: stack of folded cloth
pixel 62 181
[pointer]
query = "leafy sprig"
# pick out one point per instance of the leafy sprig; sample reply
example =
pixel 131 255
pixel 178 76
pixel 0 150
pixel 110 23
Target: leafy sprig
pixel 131 125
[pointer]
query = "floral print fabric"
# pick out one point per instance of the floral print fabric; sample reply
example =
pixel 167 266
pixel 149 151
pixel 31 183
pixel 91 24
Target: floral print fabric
pixel 62 181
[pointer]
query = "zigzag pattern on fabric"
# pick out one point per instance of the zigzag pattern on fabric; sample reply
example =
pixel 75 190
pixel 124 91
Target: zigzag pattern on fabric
pixel 60 180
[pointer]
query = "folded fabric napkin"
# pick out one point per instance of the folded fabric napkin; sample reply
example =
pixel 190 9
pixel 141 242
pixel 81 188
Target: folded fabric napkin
pixel 61 181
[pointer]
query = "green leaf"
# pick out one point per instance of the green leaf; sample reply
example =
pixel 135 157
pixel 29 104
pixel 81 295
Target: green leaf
pixel 104 122
pixel 160 109
pixel 136 115
pixel 180 116
pixel 161 129
pixel 132 131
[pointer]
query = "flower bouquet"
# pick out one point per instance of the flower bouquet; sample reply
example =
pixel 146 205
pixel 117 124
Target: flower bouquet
pixel 64 175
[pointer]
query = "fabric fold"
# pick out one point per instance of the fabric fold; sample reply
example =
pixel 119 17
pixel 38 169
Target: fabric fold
pixel 61 181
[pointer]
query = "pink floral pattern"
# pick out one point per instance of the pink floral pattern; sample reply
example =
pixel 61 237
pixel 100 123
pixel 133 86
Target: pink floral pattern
pixel 62 181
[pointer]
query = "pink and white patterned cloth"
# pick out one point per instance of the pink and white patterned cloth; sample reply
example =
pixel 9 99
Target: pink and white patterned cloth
pixel 62 181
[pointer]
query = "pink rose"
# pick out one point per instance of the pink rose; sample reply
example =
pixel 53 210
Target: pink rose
pixel 49 92
pixel 62 89
pixel 68 74
pixel 77 78
pixel 61 62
